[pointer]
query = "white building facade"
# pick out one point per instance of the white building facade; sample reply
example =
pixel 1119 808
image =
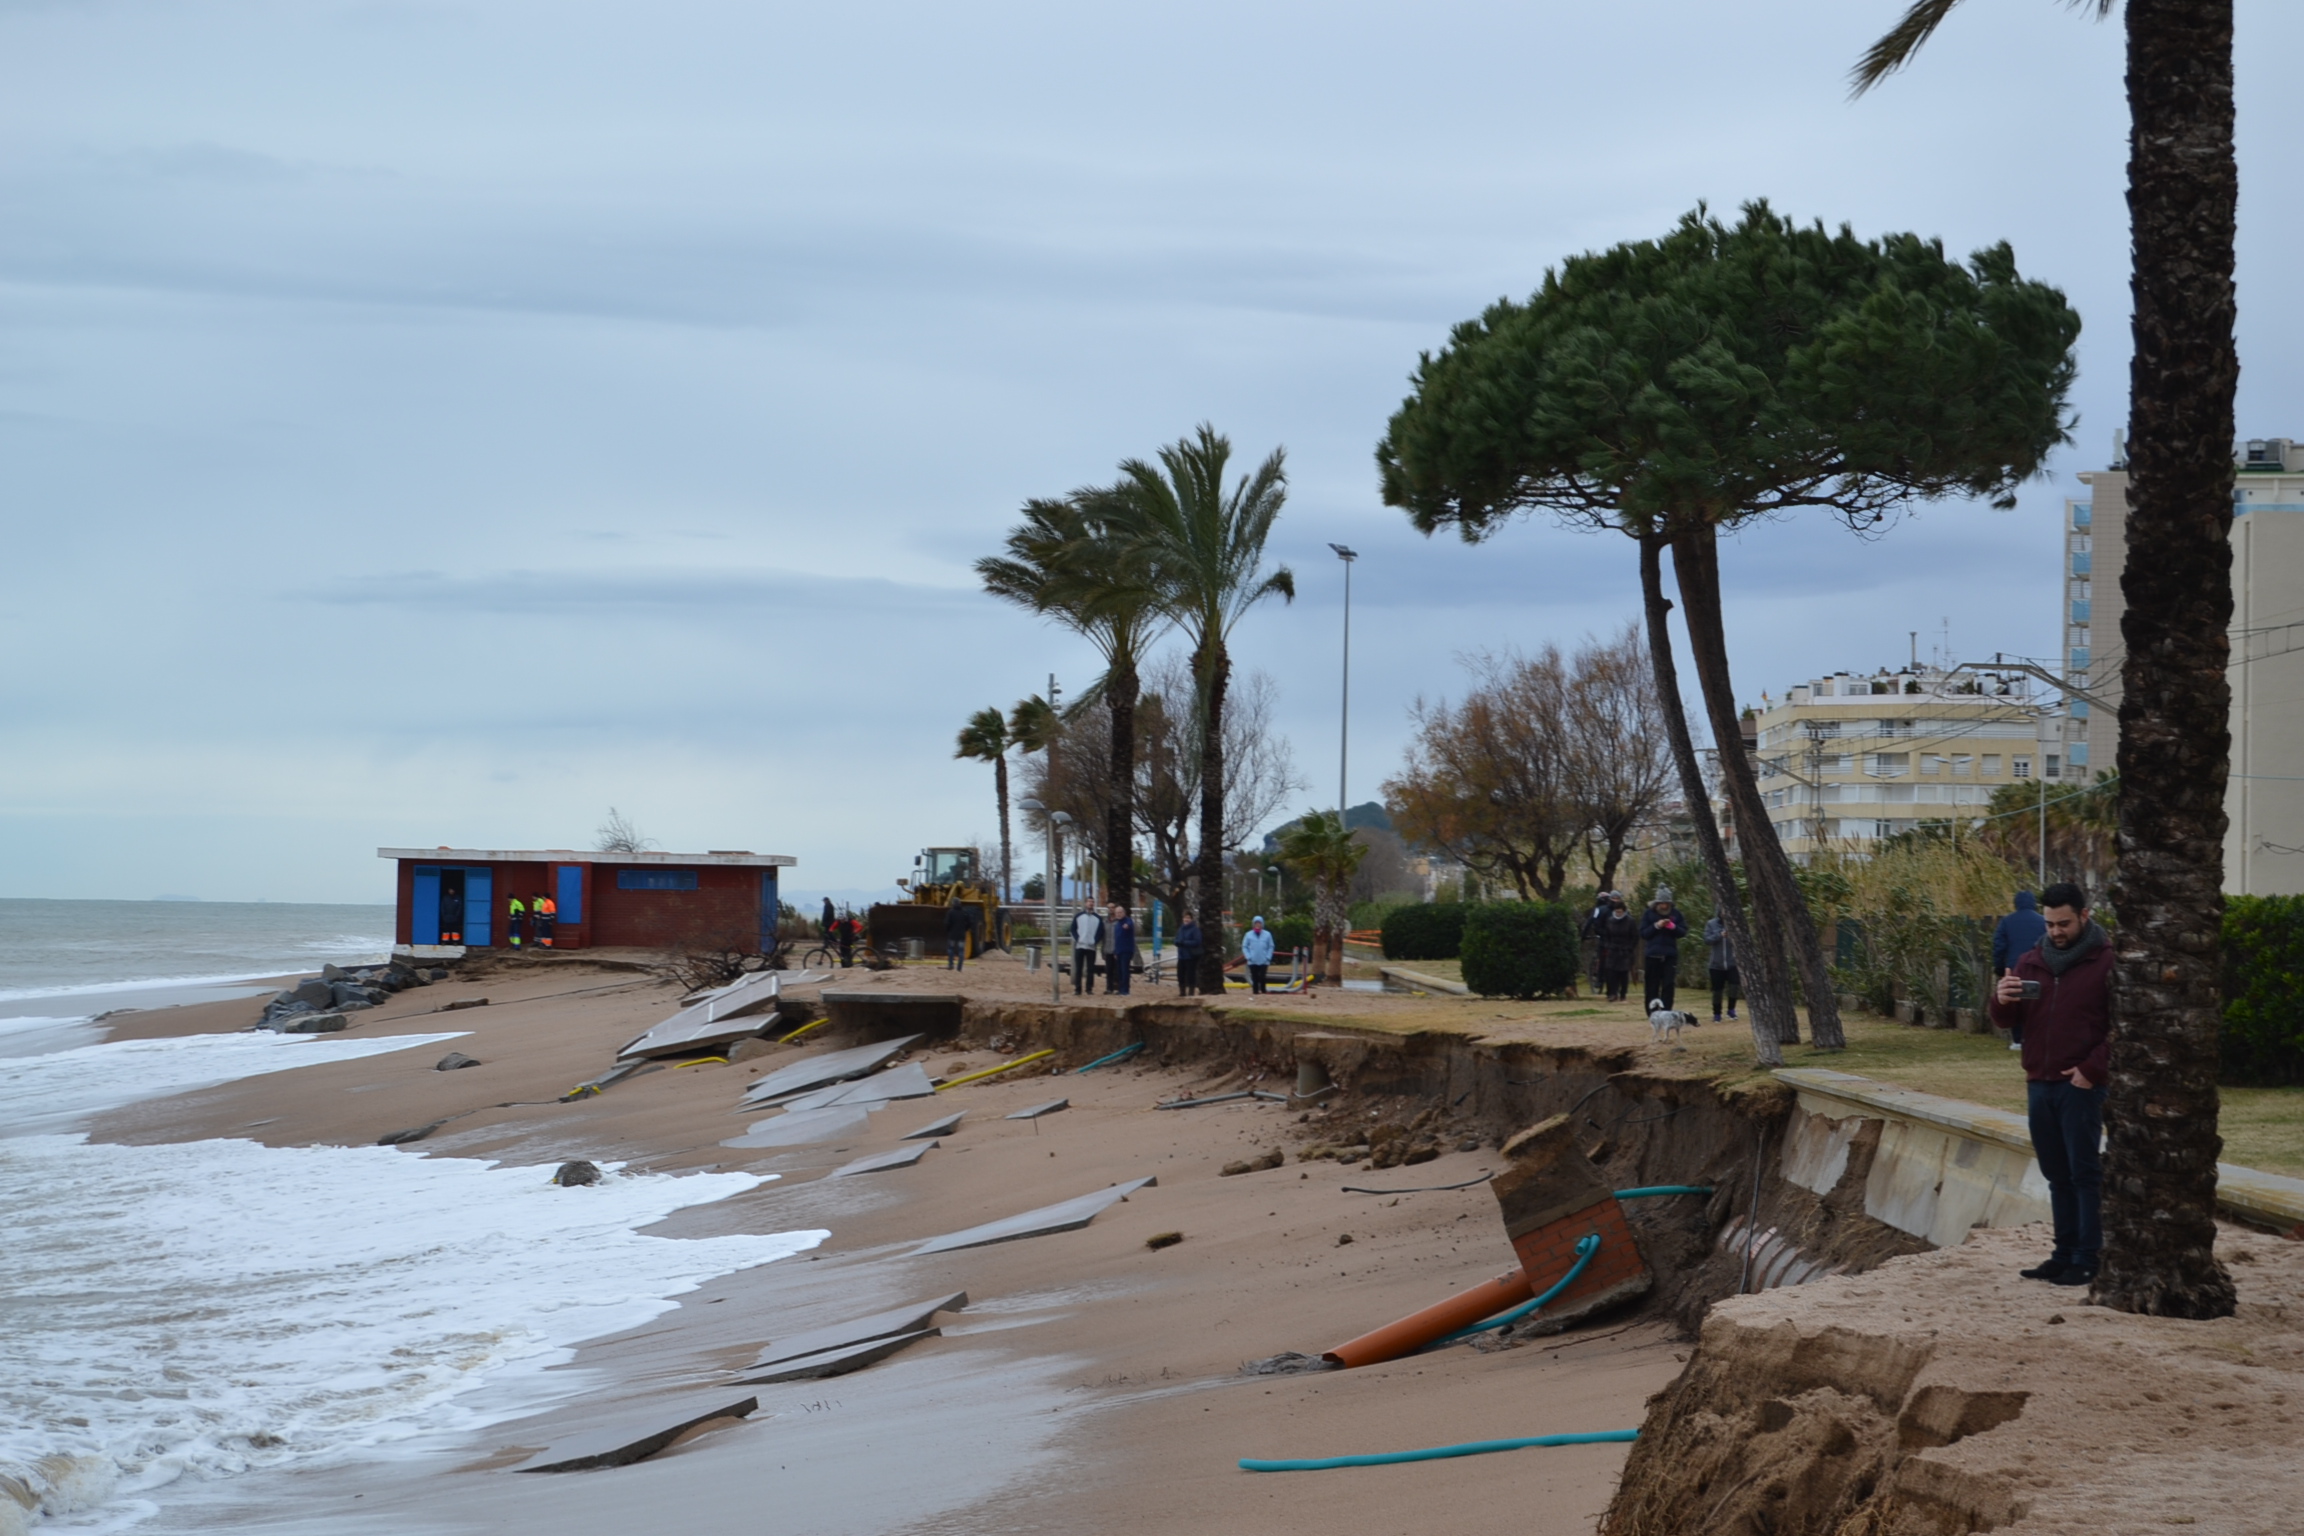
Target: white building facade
pixel 1849 759
pixel 2264 803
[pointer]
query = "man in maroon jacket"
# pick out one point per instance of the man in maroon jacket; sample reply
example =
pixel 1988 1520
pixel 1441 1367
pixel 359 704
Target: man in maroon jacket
pixel 2060 996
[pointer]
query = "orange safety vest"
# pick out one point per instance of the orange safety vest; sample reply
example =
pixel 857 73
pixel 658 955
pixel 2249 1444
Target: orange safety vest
pixel 547 907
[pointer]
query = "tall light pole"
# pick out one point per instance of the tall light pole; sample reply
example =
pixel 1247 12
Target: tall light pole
pixel 1055 819
pixel 1344 715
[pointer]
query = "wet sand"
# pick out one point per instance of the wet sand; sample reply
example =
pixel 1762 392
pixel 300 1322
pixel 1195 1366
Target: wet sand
pixel 1092 1384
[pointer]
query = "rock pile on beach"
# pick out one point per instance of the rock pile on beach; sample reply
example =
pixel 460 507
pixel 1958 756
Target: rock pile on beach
pixel 318 1005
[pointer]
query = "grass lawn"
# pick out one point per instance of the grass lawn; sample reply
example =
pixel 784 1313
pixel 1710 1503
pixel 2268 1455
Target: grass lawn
pixel 2263 1128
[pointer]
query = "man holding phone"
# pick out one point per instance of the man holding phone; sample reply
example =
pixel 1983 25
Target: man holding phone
pixel 2060 996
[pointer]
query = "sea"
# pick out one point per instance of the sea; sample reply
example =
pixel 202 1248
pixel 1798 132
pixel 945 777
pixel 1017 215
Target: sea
pixel 171 1316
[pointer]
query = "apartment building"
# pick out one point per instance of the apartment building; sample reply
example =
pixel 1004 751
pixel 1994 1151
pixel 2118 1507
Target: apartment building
pixel 2264 843
pixel 1852 758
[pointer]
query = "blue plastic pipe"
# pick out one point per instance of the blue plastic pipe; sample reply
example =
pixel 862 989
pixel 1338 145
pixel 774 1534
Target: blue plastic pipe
pixel 1440 1452
pixel 1126 1050
pixel 1646 1190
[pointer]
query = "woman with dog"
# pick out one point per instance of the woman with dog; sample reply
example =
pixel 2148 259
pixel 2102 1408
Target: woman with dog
pixel 1661 927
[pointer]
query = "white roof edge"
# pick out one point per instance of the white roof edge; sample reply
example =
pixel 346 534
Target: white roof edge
pixel 586 856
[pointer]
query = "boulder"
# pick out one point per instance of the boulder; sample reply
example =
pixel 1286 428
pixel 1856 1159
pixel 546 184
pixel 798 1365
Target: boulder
pixel 333 973
pixel 454 1061
pixel 575 1174
pixel 314 1024
pixel 1271 1159
pixel 317 993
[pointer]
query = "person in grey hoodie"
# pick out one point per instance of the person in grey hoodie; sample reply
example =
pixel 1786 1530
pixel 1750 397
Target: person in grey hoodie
pixel 1720 957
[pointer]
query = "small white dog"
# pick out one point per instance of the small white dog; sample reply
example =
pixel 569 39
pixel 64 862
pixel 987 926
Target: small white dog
pixel 1666 1023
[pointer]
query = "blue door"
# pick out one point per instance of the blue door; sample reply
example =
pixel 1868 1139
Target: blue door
pixel 479 904
pixel 424 906
pixel 768 910
pixel 569 897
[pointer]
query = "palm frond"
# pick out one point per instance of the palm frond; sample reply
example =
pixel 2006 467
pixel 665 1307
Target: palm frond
pixel 1895 50
pixel 1904 40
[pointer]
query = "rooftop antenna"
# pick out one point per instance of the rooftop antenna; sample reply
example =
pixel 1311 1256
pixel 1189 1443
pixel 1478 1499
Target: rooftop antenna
pixel 1915 650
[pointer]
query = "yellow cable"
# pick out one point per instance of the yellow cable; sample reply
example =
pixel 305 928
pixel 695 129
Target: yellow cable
pixel 996 1071
pixel 803 1029
pixel 701 1061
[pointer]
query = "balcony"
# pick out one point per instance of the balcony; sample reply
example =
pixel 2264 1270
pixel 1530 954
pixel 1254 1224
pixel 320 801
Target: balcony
pixel 2081 563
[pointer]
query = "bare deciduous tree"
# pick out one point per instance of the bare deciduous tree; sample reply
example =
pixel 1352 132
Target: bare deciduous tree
pixel 618 834
pixel 1260 772
pixel 1545 760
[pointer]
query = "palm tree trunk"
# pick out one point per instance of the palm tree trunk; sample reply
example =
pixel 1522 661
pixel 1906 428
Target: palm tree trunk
pixel 1780 912
pixel 2175 743
pixel 1767 996
pixel 1213 667
pixel 1120 690
pixel 1000 788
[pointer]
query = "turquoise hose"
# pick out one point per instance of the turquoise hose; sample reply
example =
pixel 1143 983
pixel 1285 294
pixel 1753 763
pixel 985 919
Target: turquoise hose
pixel 1126 1050
pixel 1645 1191
pixel 1440 1452
pixel 1586 1246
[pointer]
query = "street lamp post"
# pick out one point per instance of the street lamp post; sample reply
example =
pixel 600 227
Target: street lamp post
pixel 1055 819
pixel 1344 714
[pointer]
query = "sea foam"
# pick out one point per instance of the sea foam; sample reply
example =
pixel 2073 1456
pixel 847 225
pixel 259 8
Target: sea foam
pixel 217 1306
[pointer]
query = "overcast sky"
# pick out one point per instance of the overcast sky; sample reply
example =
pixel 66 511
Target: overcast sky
pixel 435 422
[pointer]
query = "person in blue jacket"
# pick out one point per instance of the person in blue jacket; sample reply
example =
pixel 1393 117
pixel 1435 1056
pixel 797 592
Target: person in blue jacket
pixel 1256 949
pixel 2014 937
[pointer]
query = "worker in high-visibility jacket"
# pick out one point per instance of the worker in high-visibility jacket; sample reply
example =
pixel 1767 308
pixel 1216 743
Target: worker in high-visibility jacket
pixel 515 921
pixel 547 918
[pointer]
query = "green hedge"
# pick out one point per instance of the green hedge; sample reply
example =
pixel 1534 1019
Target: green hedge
pixel 1521 949
pixel 1433 930
pixel 1292 932
pixel 2263 1042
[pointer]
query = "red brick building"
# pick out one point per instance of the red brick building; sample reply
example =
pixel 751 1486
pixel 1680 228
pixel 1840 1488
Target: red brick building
pixel 724 900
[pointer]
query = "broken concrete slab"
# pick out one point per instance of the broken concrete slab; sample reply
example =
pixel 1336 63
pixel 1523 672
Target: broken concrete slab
pixel 943 1127
pixel 809 1125
pixel 879 1325
pixel 838 1362
pixel 831 1067
pixel 909 1081
pixel 639 1435
pixel 1037 1110
pixel 1062 1217
pixel 720 1017
pixel 455 1061
pixel 881 1162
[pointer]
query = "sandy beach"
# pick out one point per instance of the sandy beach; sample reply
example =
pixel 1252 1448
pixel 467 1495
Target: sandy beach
pixel 1091 1382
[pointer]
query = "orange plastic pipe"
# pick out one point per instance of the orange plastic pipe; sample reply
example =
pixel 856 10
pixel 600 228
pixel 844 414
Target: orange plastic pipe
pixel 1412 1333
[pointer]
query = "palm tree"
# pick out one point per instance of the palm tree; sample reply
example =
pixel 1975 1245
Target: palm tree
pixel 985 739
pixel 1204 555
pixel 1321 850
pixel 1064 562
pixel 2175 746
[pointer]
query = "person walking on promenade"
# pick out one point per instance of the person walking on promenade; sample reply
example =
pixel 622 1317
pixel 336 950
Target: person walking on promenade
pixel 1720 959
pixel 959 923
pixel 1661 927
pixel 2059 993
pixel 545 914
pixel 1187 955
pixel 515 921
pixel 1120 935
pixel 2019 931
pixel 1087 937
pixel 1589 933
pixel 1256 950
pixel 1619 943
pixel 826 925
